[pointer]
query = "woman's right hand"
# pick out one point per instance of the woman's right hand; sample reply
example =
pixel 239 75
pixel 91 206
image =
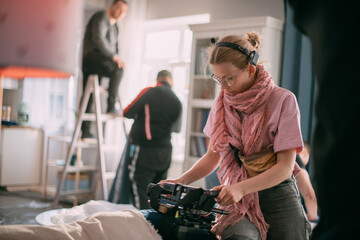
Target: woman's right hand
pixel 177 180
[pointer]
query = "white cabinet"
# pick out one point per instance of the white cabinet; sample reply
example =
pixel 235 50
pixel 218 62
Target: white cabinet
pixel 203 89
pixel 21 152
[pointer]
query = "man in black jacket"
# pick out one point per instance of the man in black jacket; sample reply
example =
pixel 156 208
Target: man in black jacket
pixel 156 112
pixel 101 53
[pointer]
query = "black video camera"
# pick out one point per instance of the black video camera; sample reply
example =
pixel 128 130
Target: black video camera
pixel 187 211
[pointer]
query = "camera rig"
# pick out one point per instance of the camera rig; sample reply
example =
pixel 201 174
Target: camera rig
pixel 187 211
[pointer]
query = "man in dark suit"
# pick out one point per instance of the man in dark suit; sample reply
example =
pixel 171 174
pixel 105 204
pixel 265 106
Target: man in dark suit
pixel 101 53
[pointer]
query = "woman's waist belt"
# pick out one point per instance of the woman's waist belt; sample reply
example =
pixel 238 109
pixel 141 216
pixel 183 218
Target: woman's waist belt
pixel 256 163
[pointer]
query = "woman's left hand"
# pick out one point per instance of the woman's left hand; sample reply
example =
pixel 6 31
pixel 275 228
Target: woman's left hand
pixel 228 195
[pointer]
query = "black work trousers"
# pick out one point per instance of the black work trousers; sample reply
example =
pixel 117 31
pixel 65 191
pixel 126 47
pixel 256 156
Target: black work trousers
pixel 95 63
pixel 147 165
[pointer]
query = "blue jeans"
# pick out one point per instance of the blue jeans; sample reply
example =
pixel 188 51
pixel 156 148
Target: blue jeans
pixel 153 217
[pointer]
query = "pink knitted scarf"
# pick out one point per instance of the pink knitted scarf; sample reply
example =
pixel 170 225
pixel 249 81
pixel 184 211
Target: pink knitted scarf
pixel 241 120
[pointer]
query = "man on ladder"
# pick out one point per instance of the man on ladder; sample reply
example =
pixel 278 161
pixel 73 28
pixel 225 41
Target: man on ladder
pixel 101 54
pixel 100 58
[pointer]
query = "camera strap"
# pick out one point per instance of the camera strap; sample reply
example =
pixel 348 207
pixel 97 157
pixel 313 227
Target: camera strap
pixel 235 153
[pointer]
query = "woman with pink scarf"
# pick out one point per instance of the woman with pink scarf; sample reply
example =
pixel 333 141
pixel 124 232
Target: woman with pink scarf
pixel 254 130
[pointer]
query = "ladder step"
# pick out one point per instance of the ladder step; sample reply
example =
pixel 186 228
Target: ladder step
pixel 86 143
pixel 104 117
pixel 71 169
pixel 92 87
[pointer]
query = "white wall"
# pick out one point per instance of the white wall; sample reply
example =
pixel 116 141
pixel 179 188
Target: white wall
pixel 218 9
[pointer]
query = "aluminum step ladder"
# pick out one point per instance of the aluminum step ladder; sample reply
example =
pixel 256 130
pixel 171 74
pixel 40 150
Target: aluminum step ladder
pixel 92 86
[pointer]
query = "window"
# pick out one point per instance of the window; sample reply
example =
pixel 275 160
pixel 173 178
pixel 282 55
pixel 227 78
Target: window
pixel 51 103
pixel 58 92
pixel 162 45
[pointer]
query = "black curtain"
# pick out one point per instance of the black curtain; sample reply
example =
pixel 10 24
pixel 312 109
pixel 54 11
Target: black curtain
pixel 332 26
pixel 297 74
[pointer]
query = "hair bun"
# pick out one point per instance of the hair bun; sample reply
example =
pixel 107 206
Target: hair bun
pixel 253 39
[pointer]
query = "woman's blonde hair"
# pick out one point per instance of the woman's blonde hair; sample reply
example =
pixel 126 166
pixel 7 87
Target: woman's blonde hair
pixel 250 41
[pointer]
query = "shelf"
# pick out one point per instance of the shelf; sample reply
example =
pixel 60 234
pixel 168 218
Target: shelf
pixel 84 143
pixel 86 168
pixel 71 169
pixel 198 144
pixel 56 162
